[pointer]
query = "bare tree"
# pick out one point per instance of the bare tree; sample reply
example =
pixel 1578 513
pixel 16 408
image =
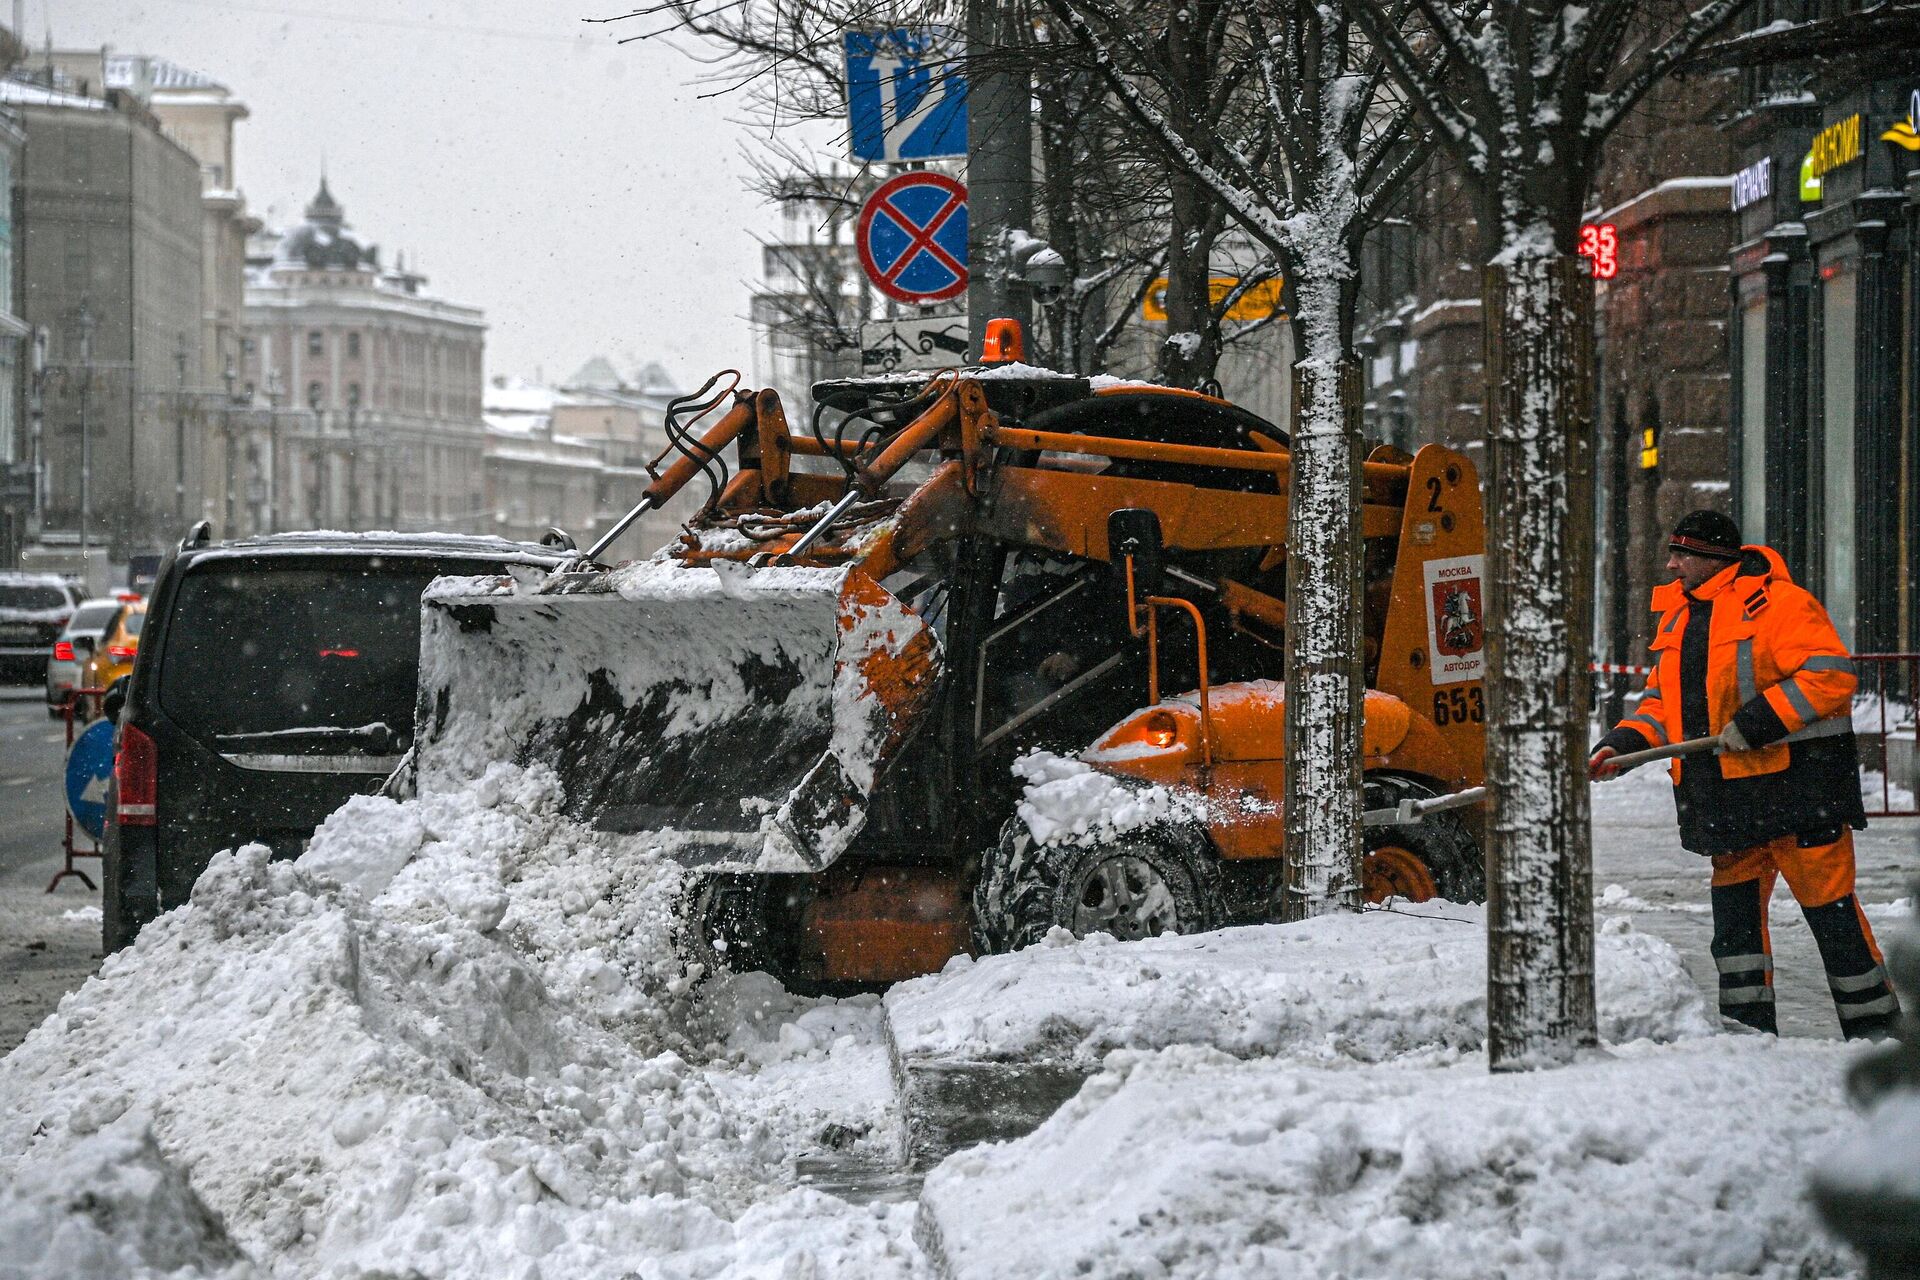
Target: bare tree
pixel 1536 89
pixel 1320 154
pixel 1108 203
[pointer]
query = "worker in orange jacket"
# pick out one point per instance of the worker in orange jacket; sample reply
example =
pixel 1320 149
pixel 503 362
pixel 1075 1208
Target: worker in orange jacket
pixel 1743 653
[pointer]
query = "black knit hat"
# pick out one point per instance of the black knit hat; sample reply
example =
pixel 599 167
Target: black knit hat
pixel 1706 533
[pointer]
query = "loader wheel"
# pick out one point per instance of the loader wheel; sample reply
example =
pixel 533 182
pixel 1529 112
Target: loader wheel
pixel 722 924
pixel 1436 858
pixel 1138 886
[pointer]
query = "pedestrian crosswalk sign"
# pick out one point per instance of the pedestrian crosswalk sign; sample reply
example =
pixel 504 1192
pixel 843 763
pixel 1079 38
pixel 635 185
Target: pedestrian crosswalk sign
pixel 906 94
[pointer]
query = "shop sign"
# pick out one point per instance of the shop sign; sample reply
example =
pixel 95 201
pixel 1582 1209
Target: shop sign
pixel 1809 184
pixel 1906 133
pixel 1838 144
pixel 1257 302
pixel 1753 183
pixel 1600 243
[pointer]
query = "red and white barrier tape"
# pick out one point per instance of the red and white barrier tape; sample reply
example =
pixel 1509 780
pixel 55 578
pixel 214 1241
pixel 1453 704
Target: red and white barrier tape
pixel 1618 669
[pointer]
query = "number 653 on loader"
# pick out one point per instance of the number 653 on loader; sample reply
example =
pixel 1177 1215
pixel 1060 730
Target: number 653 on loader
pixel 815 698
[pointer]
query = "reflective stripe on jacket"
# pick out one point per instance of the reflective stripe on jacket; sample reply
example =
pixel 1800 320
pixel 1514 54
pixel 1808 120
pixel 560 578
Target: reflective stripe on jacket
pixel 1775 665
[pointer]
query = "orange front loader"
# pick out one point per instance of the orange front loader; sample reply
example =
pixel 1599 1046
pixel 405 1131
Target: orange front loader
pixel 815 699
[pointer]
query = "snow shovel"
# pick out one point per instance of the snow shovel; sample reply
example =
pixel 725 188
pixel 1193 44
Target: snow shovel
pixel 1409 812
pixel 1668 752
pixel 727 716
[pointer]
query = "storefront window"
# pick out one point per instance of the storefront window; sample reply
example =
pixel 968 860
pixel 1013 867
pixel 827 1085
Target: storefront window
pixel 1836 355
pixel 1753 421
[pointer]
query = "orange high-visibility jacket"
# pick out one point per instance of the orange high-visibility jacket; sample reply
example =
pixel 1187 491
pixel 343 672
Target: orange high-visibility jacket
pixel 1774 664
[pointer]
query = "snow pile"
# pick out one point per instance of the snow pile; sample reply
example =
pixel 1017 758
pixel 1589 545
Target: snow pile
pixel 1647 1162
pixel 1364 987
pixel 1071 802
pixel 449 1039
pixel 111 1205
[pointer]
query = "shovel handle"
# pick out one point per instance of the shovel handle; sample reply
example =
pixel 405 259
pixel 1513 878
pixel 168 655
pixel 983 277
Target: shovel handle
pixel 1687 748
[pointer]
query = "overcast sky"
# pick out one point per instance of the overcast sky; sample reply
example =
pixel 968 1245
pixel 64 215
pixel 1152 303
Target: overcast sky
pixel 575 188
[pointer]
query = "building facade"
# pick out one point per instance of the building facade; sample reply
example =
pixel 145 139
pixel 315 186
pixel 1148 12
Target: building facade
pixel 363 390
pixel 1825 452
pixel 576 456
pixel 110 235
pixel 19 486
pixel 1758 318
pixel 1660 205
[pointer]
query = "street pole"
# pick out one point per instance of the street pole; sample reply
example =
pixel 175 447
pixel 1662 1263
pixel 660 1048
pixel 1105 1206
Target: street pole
pixel 353 461
pixel 226 434
pixel 999 166
pixel 37 415
pixel 274 390
pixel 180 429
pixel 86 438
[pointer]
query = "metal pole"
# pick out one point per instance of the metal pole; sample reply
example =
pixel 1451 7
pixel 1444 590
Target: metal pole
pixel 86 437
pixel 999 166
pixel 273 452
pixel 180 430
pixel 37 414
pixel 226 434
pixel 353 464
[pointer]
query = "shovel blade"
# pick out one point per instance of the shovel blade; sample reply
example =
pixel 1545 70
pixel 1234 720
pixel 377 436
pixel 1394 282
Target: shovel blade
pixel 733 717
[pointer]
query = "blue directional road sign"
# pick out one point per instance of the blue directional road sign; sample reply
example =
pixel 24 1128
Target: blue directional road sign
pixel 89 766
pixel 906 94
pixel 912 237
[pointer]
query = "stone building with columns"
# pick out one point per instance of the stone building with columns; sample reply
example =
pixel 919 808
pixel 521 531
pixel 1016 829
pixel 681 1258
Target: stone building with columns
pixel 371 385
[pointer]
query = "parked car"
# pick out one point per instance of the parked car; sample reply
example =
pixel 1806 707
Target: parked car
pixel 276 679
pixel 78 641
pixel 113 656
pixel 33 609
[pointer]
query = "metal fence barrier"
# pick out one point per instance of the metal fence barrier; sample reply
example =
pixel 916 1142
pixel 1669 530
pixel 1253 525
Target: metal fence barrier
pixel 1883 725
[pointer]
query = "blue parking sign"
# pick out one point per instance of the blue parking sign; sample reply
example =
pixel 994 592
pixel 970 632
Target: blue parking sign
pixel 906 94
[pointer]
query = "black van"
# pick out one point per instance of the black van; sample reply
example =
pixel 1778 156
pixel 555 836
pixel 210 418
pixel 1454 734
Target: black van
pixel 276 678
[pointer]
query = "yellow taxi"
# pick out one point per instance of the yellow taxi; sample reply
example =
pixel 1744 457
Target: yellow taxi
pixel 114 655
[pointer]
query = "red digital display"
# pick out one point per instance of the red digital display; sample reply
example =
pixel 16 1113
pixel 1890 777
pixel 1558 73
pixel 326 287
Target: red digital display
pixel 1600 244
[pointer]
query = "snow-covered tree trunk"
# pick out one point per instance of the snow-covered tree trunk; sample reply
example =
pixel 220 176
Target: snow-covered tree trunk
pixel 1538 310
pixel 1191 352
pixel 1324 677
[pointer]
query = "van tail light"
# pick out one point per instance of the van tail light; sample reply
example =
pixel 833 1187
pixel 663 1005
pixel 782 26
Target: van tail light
pixel 123 650
pixel 136 771
pixel 63 651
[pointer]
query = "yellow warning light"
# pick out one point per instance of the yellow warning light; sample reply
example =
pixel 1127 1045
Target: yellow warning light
pixel 1649 449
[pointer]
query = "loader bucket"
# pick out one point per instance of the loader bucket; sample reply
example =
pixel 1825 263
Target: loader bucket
pixel 733 717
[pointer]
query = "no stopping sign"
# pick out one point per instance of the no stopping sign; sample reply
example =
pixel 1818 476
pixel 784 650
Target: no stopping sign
pixel 913 237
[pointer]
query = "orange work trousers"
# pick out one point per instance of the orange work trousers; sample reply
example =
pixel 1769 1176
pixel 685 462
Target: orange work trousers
pixel 1814 876
pixel 1821 878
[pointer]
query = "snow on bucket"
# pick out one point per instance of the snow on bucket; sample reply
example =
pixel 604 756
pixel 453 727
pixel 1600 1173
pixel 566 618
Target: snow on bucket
pixel 735 716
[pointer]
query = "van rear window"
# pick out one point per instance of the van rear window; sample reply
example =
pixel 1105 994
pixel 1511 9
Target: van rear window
pixel 297 659
pixel 17 597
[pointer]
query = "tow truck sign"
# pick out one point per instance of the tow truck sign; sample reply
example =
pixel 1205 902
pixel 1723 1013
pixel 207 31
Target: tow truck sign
pixel 1456 619
pixel 914 342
